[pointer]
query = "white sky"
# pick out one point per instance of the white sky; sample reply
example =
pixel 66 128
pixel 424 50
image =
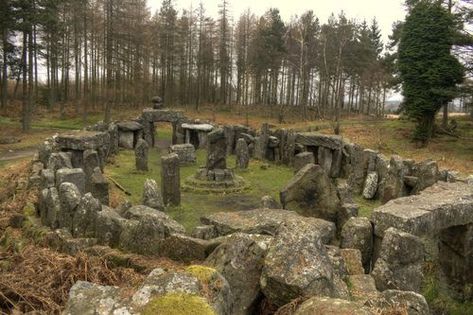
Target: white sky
pixel 386 11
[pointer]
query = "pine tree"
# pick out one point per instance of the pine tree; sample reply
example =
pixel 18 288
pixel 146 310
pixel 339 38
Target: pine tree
pixel 428 71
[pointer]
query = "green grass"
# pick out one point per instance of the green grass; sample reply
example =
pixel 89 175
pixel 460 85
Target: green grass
pixel 366 207
pixel 194 205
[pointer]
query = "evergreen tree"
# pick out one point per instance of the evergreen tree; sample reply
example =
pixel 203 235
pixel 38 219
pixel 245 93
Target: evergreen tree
pixel 428 71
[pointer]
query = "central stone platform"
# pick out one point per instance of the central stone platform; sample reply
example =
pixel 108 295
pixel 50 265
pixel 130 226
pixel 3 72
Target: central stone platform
pixel 215 176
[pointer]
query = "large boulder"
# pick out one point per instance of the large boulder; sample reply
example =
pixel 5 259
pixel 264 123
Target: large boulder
pixel 357 233
pixel 85 216
pixel 141 155
pixel 195 290
pixel 266 222
pixel 86 298
pixel 371 185
pixel 427 173
pixel 298 265
pixel 412 303
pixel 399 265
pixel 240 260
pixel 393 184
pixel 312 192
pixel 324 305
pixel 302 159
pixel 71 175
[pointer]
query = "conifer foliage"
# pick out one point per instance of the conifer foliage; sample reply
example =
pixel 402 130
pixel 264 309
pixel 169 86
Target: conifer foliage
pixel 428 71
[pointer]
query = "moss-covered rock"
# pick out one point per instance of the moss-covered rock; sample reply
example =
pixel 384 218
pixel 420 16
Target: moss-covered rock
pixel 178 304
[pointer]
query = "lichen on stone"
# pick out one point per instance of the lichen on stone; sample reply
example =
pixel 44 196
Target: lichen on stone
pixel 178 304
pixel 203 273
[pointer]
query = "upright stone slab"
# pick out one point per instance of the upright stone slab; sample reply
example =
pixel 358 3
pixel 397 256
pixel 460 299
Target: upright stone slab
pixel 325 159
pixel 230 138
pixel 302 159
pixel 170 179
pixel 217 150
pixel 99 186
pixel 186 153
pixel 262 143
pixel 151 195
pixel 242 154
pixel 75 176
pixel 91 160
pixel 141 155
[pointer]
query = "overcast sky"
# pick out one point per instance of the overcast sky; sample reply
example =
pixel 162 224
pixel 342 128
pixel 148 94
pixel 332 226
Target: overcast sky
pixel 385 11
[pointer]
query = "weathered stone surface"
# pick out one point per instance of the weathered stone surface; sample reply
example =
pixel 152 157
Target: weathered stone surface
pixel 44 151
pixel 371 185
pixel 399 265
pixel 230 139
pixel 185 152
pixel 189 282
pixel 455 257
pixel 266 222
pixel 59 160
pixel 99 186
pixel 297 264
pixel 62 241
pixel 75 176
pixel 357 233
pixel 302 159
pixel 319 140
pixel 50 206
pixel 268 202
pixel 87 298
pixel 362 288
pixel 325 305
pixel 261 144
pixel 145 213
pixel 382 169
pixel 346 212
pixel 413 303
pixel 109 226
pixel 205 232
pixel 324 159
pixel 126 139
pixel 394 182
pixel 170 180
pixel 141 155
pixel 82 140
pixel 442 205
pixel 129 126
pixel 69 197
pixel 157 115
pixel 152 195
pixel 183 248
pixel 85 216
pixel 352 260
pixel 90 160
pixel 48 178
pixel 114 138
pixel 242 154
pixel 240 260
pixel 355 167
pixel 288 147
pixel 427 173
pixel 217 150
pixel 312 192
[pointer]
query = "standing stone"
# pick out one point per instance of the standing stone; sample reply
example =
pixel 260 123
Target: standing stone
pixel 242 154
pixel 71 175
pixel 114 138
pixel 170 179
pixel 394 182
pixel 186 153
pixel 229 138
pixel 261 146
pixel 325 159
pixel 427 174
pixel 141 155
pixel 399 265
pixel 99 186
pixel 357 233
pixel 91 160
pixel 337 156
pixel 152 196
pixel 69 197
pixel 217 150
pixel 59 160
pixel 371 185
pixel 268 202
pixel 302 159
pixel 312 192
pixel 288 147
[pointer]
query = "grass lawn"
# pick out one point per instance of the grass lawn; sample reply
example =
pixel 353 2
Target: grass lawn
pixel 194 205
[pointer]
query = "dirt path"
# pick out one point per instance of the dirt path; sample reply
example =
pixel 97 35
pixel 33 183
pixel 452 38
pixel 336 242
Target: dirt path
pixel 17 154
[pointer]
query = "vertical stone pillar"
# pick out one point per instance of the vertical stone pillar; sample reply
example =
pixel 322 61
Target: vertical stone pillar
pixel 170 179
pixel 141 155
pixel 262 144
